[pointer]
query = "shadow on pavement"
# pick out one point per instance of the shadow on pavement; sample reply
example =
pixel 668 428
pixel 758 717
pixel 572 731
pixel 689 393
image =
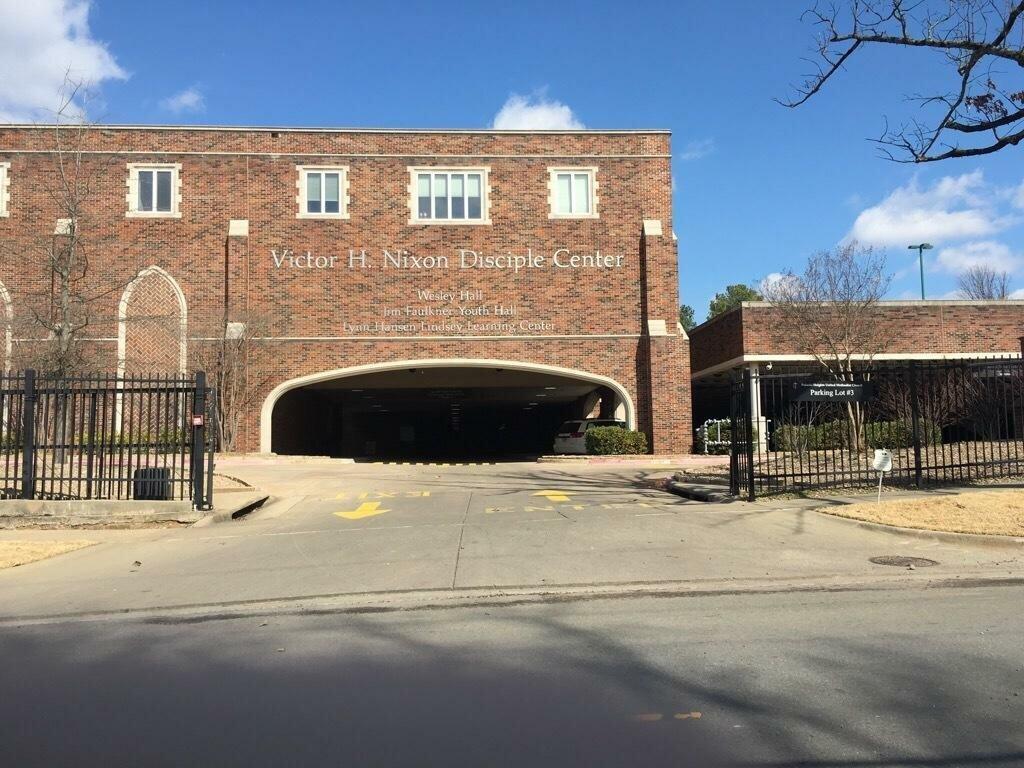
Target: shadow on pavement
pixel 503 690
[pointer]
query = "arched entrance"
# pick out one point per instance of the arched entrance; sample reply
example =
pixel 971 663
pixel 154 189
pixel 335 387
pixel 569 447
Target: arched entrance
pixel 435 409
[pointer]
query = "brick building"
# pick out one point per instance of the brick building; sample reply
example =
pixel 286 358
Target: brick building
pixel 393 292
pixel 755 336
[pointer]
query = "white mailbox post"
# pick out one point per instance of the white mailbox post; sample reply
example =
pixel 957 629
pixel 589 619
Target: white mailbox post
pixel 882 463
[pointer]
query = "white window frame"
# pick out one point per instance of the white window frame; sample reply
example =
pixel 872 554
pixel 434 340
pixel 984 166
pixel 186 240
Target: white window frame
pixel 485 192
pixel 553 174
pixel 133 191
pixel 302 200
pixel 5 189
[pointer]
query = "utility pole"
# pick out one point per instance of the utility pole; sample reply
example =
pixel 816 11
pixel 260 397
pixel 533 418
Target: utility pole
pixel 921 248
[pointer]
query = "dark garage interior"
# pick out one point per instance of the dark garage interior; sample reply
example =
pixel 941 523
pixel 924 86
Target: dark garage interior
pixel 434 413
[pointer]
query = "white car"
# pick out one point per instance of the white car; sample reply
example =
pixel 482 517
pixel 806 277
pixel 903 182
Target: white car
pixel 572 435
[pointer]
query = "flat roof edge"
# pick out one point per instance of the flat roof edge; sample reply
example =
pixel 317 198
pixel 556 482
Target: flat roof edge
pixel 313 129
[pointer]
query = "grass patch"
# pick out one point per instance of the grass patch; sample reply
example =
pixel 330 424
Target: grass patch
pixel 998 513
pixel 14 553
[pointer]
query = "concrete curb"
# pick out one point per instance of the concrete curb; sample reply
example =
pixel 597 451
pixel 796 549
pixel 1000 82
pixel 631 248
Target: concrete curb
pixel 985 540
pixel 70 513
pixel 243 505
pixel 629 459
pixel 231 459
pixel 697 492
pixel 446 599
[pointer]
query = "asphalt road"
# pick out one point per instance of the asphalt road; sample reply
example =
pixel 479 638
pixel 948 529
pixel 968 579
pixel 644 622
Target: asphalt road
pixel 367 529
pixel 917 677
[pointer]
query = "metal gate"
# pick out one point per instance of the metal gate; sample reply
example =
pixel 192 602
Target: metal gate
pixel 107 437
pixel 945 422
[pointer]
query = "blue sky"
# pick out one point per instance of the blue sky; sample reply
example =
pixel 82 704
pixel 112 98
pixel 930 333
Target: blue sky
pixel 758 187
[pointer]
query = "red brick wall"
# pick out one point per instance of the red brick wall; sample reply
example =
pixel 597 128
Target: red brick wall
pixel 717 340
pixel 251 174
pixel 932 327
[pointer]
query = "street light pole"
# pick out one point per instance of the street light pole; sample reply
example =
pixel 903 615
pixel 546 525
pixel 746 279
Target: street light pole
pixel 921 248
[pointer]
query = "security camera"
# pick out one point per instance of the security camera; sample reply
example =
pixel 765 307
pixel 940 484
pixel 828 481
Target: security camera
pixel 769 366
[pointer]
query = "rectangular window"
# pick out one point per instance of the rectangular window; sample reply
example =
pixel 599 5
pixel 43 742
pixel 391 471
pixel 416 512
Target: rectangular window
pixel 449 196
pixel 440 196
pixel 163 191
pixel 423 195
pixel 313 192
pixel 322 192
pixel 572 192
pixel 154 190
pixel 458 196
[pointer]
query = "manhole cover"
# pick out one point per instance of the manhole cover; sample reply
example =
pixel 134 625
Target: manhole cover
pixel 903 562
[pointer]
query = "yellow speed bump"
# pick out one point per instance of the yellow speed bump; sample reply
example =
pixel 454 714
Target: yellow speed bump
pixel 366 509
pixel 554 495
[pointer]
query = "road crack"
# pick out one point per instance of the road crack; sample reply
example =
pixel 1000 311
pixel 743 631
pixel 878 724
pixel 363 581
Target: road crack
pixel 462 532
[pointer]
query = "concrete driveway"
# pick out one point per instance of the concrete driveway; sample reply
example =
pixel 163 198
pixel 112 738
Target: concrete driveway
pixel 342 529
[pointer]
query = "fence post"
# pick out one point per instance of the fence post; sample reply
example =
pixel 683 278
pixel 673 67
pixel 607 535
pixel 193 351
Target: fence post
pixel 213 437
pixel 28 436
pixel 749 426
pixel 90 459
pixel 915 419
pixel 198 441
pixel 734 459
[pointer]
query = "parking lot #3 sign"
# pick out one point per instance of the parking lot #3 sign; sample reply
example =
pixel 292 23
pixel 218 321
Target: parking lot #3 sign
pixel 831 392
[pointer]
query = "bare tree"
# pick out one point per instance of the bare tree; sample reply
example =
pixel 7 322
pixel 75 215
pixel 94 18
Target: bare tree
pixel 235 370
pixel 982 110
pixel 69 298
pixel 942 396
pixel 984 282
pixel 830 312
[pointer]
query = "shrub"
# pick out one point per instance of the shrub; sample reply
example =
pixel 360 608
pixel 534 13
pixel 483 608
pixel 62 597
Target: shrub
pixel 836 435
pixel 812 437
pixel 604 441
pixel 900 433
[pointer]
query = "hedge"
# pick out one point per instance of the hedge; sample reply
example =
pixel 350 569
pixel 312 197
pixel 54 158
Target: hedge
pixel 604 441
pixel 836 434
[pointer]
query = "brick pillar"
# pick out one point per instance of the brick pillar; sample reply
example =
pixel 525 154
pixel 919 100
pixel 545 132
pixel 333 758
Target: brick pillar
pixel 236 258
pixel 663 355
pixel 236 305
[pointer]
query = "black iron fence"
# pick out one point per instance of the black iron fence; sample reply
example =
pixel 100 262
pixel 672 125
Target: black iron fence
pixel 107 437
pixel 943 422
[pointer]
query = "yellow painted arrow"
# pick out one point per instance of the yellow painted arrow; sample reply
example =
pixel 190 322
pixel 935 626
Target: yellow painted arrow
pixel 366 509
pixel 553 495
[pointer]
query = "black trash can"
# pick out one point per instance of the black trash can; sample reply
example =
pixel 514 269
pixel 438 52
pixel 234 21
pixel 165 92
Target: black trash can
pixel 152 484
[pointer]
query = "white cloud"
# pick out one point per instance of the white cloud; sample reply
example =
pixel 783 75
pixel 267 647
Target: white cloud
pixel 770 280
pixel 953 208
pixel 695 150
pixel 1018 197
pixel 1018 294
pixel 40 42
pixel 189 100
pixel 776 285
pixel 534 113
pixel 987 253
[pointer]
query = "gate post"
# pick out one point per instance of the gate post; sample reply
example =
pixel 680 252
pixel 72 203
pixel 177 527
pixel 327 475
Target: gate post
pixel 734 458
pixel 915 418
pixel 198 441
pixel 749 427
pixel 28 436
